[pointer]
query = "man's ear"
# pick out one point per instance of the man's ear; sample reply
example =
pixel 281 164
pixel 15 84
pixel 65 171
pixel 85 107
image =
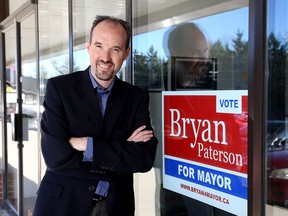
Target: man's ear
pixel 127 52
pixel 88 45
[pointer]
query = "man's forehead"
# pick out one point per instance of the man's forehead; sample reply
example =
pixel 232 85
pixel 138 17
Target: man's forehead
pixel 109 24
pixel 113 29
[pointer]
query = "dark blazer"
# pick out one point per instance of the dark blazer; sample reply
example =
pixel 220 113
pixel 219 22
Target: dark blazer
pixel 72 110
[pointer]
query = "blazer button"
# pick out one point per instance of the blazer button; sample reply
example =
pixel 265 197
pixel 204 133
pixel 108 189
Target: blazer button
pixel 91 188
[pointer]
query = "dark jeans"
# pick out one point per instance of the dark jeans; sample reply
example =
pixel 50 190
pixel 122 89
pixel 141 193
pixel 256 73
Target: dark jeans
pixel 98 208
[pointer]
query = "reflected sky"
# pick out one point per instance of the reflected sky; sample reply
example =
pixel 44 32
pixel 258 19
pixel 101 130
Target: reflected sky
pixel 215 27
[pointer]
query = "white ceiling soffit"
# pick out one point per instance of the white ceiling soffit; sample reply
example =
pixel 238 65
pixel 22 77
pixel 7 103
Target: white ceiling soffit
pixel 165 13
pixel 148 15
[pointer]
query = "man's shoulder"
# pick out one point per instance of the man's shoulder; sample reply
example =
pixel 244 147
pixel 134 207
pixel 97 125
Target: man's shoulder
pixel 66 77
pixel 130 88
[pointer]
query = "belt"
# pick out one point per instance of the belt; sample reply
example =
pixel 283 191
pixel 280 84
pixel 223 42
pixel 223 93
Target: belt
pixel 98 198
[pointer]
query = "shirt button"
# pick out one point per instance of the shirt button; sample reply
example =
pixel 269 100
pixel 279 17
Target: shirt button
pixel 91 188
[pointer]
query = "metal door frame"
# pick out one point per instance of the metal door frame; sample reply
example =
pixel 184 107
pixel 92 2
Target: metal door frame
pixel 14 20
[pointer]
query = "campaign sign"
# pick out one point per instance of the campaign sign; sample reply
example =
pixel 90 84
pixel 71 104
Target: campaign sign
pixel 205 146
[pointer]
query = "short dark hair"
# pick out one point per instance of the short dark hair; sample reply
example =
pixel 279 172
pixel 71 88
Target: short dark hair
pixel 123 23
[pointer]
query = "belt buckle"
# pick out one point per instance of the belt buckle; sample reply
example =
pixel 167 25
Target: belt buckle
pixel 97 198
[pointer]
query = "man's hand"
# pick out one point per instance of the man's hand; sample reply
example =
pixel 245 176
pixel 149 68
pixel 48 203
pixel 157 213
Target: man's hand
pixel 141 135
pixel 78 143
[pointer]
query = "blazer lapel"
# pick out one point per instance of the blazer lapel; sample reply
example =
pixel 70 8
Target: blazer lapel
pixel 86 90
pixel 114 105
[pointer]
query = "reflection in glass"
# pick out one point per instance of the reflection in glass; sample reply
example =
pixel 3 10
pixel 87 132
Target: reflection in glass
pixel 198 39
pixel 53 41
pixel 11 96
pixel 30 109
pixel 207 51
pixel 190 66
pixel 277 109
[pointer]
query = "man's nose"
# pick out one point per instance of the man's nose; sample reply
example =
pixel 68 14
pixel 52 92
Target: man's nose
pixel 105 56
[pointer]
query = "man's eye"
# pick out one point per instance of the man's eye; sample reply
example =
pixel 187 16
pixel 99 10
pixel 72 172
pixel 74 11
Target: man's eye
pixel 116 50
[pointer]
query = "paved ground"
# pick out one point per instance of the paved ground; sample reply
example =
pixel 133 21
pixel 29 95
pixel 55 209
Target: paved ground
pixel 3 213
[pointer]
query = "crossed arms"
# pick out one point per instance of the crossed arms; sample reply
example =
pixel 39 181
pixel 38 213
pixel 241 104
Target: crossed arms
pixel 139 135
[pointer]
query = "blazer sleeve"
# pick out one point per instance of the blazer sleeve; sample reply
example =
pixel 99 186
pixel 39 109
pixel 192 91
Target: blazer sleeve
pixel 116 154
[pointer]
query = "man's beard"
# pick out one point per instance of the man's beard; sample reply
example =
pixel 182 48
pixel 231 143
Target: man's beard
pixel 106 77
pixel 103 75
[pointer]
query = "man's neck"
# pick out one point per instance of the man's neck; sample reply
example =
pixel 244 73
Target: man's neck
pixel 105 84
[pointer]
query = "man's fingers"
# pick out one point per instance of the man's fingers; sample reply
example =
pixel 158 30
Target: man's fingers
pixel 138 130
pixel 141 135
pixel 146 136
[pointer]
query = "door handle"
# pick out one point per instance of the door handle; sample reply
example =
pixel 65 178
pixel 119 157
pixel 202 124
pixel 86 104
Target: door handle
pixel 19 127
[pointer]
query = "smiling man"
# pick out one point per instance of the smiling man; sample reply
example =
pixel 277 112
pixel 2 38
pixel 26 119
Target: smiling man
pixel 95 132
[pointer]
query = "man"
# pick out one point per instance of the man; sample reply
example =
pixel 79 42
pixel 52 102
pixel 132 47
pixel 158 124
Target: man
pixel 96 132
pixel 187 46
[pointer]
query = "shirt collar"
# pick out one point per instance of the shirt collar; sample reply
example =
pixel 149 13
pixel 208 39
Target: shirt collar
pixel 96 85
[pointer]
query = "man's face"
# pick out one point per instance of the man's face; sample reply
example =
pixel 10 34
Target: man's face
pixel 107 51
pixel 193 70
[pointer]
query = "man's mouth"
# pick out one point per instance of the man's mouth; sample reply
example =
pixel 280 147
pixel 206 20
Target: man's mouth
pixel 104 65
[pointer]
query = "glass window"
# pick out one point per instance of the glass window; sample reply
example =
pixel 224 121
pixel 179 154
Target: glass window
pixel 185 46
pixel 53 46
pixel 30 109
pixel 53 41
pixel 203 37
pixel 277 108
pixel 11 107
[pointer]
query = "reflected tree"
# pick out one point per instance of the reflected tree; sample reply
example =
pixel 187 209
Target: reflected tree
pixel 240 56
pixel 224 56
pixel 277 81
pixel 140 70
pixel 232 62
pixel 149 69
